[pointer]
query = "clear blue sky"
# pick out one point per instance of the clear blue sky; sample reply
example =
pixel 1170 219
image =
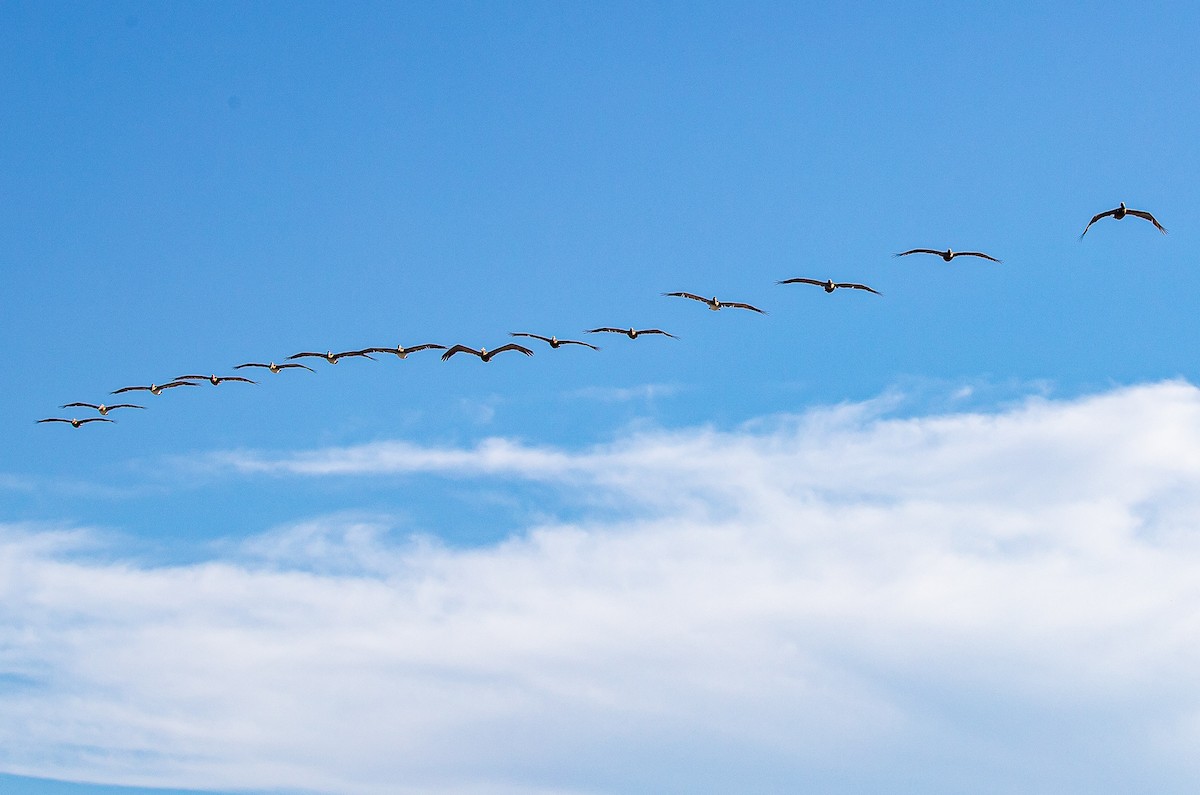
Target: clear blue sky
pixel 187 187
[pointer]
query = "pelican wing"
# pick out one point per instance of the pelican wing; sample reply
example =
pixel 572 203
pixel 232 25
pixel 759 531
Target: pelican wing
pixel 605 328
pixel 294 364
pixel 1148 217
pixel 95 419
pixel 737 305
pixel 975 254
pixel 188 377
pixel 260 364
pixel 527 334
pixel 1096 218
pixel 917 251
pixel 302 354
pixel 223 379
pixel 124 406
pixel 173 384
pixel 578 342
pixel 460 349
pixel 854 286
pixel 80 405
pixel 656 331
pixel 346 354
pixel 799 280
pixel 692 296
pixel 130 389
pixel 512 346
pixel 52 419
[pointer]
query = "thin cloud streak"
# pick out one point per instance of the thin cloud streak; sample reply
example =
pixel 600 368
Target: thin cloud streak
pixel 833 601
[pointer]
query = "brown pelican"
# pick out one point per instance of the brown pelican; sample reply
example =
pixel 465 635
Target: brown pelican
pixel 401 352
pixel 714 304
pixel 77 423
pixel 484 353
pixel 1120 213
pixel 153 389
pixel 103 409
pixel 555 342
pixel 632 333
pixel 947 254
pixel 830 285
pixel 214 379
pixel 275 368
pixel 332 357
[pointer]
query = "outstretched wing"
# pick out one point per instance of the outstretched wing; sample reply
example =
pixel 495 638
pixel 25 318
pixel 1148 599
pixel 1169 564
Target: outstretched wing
pixel 527 334
pixel 917 251
pixel 737 305
pixel 81 405
pixel 1096 218
pixel 1148 217
pixel 656 331
pixel 302 354
pixel 512 346
pixel 347 354
pixel 854 286
pixel 293 364
pixel 578 342
pixel 95 419
pixel 173 384
pixel 260 364
pixel 692 296
pixel 974 254
pixel 460 349
pixel 799 280
pixel 235 378
pixel 124 406
pixel 130 389
pixel 605 328
pixel 52 419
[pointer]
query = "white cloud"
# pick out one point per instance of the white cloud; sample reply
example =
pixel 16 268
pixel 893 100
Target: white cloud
pixel 833 602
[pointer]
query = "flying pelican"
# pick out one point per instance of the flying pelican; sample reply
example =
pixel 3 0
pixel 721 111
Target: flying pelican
pixel 77 423
pixel 275 368
pixel 632 333
pixel 830 285
pixel 332 357
pixel 484 353
pixel 1120 213
pixel 947 254
pixel 714 304
pixel 153 389
pixel 555 342
pixel 103 409
pixel 214 379
pixel 401 352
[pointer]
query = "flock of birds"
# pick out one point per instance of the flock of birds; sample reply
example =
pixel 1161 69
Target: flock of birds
pixel 102 410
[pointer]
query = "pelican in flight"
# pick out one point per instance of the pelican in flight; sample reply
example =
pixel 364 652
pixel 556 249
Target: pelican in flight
pixel 332 357
pixel 632 333
pixel 830 285
pixel 402 353
pixel 103 409
pixel 554 342
pixel 484 353
pixel 1120 213
pixel 947 254
pixel 275 368
pixel 714 304
pixel 214 379
pixel 77 423
pixel 153 389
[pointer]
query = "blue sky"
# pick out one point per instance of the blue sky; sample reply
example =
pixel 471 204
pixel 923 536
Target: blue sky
pixel 190 187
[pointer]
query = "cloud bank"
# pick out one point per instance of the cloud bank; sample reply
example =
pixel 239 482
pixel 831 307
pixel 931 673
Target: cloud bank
pixel 834 602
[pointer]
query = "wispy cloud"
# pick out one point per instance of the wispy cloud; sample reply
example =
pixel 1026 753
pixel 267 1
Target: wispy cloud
pixel 835 601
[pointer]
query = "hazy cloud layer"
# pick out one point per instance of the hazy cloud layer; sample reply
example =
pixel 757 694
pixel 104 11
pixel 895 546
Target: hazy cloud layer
pixel 834 602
